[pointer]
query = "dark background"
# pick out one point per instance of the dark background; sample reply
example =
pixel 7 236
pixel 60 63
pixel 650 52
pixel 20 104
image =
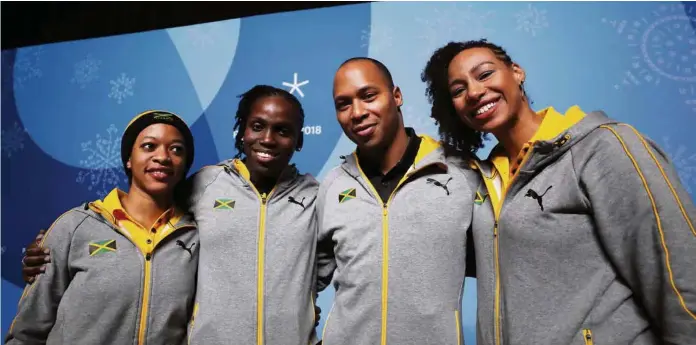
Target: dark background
pixel 39 22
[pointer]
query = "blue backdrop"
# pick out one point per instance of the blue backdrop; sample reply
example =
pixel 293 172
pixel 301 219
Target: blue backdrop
pixel 65 105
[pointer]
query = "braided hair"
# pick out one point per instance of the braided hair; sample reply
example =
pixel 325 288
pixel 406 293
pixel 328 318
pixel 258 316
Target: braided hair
pixel 248 99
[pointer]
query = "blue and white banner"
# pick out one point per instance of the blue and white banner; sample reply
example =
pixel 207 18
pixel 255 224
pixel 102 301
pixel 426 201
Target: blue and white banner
pixel 65 105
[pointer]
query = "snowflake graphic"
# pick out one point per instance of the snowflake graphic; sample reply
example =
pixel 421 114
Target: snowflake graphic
pixel 86 71
pixel 26 66
pixel 4 249
pixel 121 88
pixel 419 120
pixel 689 95
pixel 531 20
pixel 204 35
pixel 664 46
pixel 377 39
pixel 12 139
pixel 452 21
pixel 684 162
pixel 103 163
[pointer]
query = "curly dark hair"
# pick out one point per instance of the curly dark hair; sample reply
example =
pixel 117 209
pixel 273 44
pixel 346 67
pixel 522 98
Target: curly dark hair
pixel 458 139
pixel 248 99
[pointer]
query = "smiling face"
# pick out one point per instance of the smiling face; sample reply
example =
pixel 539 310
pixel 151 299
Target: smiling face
pixel 158 159
pixel 271 136
pixel 367 105
pixel 486 92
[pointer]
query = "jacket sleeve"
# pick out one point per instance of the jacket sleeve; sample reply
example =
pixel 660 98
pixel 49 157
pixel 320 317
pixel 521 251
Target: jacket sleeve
pixel 326 260
pixel 645 221
pixel 36 312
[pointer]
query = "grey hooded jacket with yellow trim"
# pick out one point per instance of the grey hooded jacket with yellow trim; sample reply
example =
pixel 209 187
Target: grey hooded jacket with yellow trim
pixel 257 266
pixel 94 289
pixel 398 266
pixel 595 244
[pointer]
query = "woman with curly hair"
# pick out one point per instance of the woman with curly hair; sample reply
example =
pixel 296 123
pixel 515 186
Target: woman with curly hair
pixel 583 231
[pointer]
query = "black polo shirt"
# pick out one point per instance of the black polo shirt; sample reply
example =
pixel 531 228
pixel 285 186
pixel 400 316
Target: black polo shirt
pixel 385 184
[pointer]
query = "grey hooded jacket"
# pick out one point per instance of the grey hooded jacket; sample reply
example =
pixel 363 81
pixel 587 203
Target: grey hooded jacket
pixel 95 291
pixel 257 265
pixel 398 265
pixel 594 244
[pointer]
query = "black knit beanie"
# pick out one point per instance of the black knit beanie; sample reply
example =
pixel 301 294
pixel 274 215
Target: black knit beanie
pixel 142 121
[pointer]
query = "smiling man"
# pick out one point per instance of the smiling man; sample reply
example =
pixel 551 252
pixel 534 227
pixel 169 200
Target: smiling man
pixel 393 222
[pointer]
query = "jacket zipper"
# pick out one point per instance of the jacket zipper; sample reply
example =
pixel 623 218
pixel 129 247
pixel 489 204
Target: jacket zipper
pixel 146 292
pixel 587 336
pixel 459 327
pixel 193 321
pixel 261 256
pixel 385 243
pixel 496 248
pixel 260 270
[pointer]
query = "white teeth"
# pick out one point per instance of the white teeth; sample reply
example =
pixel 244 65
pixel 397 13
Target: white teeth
pixel 264 154
pixel 485 108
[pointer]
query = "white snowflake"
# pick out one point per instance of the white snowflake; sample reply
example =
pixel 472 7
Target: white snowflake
pixel 451 21
pixel 4 249
pixel 26 66
pixel 419 120
pixel 689 95
pixel 296 85
pixel 121 88
pixel 12 139
pixel 664 46
pixel 684 162
pixel 531 20
pixel 103 162
pixel 202 35
pixel 377 40
pixel 86 71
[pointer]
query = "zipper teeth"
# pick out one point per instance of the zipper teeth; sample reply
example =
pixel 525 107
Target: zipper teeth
pixel 145 301
pixel 385 270
pixel 459 327
pixel 385 242
pixel 193 322
pixel 497 285
pixel 261 263
pixel 496 236
pixel 260 272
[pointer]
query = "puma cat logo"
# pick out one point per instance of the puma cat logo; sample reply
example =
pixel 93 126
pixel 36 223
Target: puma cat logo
pixel 534 195
pixel 182 245
pixel 439 184
pixel 294 201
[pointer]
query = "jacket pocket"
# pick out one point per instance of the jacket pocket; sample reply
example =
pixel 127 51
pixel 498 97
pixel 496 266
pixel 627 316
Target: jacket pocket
pixel 587 336
pixel 193 322
pixel 458 325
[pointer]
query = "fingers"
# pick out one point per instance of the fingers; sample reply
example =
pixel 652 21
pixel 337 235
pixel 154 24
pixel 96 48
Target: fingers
pixel 40 236
pixel 36 256
pixel 35 261
pixel 29 273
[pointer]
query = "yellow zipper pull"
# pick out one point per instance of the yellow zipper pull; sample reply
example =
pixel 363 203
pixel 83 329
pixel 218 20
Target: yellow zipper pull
pixel 263 198
pixel 588 336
